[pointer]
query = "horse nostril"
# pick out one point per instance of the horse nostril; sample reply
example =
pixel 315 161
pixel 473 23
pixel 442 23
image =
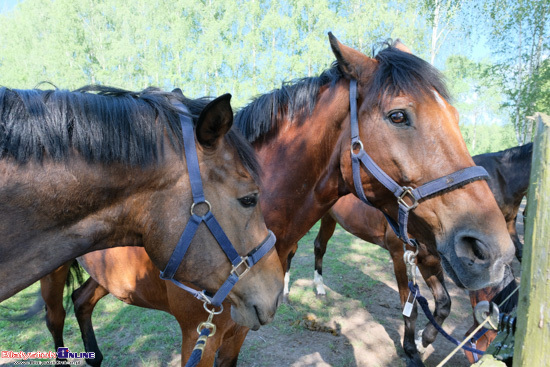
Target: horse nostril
pixel 477 249
pixel 472 248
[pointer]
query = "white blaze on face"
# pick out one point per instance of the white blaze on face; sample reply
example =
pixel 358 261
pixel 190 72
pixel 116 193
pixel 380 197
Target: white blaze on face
pixel 439 99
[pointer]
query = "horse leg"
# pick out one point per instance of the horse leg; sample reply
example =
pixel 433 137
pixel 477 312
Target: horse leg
pixel 409 345
pixel 233 340
pixel 84 299
pixel 52 287
pixel 432 273
pixel 286 289
pixel 326 230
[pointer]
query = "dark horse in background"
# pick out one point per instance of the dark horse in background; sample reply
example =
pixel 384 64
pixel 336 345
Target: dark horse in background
pixel 302 136
pixel 101 167
pixel 509 172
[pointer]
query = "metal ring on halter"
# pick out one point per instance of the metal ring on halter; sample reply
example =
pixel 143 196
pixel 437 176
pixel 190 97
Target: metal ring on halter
pixel 353 145
pixel 212 311
pixel 414 245
pixel 201 202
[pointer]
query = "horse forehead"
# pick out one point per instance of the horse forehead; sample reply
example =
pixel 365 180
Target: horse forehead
pixel 219 167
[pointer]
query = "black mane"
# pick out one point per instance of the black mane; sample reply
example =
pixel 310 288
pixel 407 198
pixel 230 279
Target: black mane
pixel 506 156
pixel 401 72
pixel 295 99
pixel 518 153
pixel 397 72
pixel 103 124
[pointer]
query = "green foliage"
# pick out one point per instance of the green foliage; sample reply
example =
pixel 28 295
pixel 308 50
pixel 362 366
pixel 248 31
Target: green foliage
pixel 246 47
pixel 205 47
pixel 477 97
pixel 490 137
pixel 520 35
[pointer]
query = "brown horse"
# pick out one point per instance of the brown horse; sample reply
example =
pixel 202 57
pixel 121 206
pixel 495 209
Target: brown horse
pixel 136 282
pixel 509 179
pixel 84 171
pixel 302 134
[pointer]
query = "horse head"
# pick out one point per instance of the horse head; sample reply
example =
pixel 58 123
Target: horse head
pixel 410 130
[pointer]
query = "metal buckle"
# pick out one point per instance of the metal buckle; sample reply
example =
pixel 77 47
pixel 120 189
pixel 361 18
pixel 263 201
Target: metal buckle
pixel 235 268
pixel 407 190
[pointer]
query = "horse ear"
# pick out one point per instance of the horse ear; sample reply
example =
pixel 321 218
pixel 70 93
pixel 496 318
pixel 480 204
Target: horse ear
pixel 401 46
pixel 350 62
pixel 178 91
pixel 214 121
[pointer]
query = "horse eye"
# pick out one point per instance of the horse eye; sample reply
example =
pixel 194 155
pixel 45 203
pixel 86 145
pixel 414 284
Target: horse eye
pixel 249 200
pixel 398 117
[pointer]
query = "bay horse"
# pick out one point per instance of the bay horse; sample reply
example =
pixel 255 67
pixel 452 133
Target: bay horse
pixel 509 172
pixel 134 281
pixel 101 167
pixel 302 135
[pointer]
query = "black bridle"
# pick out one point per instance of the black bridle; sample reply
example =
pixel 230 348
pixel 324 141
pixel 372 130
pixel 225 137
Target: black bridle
pixel 240 264
pixel 451 181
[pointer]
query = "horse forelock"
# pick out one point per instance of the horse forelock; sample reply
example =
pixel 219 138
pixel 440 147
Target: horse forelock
pixel 399 72
pixel 101 123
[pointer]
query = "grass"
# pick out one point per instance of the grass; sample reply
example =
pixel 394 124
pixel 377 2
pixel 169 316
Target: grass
pixel 133 336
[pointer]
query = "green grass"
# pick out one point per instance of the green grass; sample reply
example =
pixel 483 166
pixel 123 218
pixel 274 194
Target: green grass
pixel 132 336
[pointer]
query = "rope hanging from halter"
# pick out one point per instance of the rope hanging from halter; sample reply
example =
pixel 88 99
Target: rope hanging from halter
pixel 199 348
pixel 205 329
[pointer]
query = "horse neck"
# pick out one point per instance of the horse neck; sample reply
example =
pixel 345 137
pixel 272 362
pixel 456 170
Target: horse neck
pixel 519 172
pixel 301 166
pixel 515 176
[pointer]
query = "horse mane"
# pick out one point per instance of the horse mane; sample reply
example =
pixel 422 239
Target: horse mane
pixel 518 153
pixel 103 124
pixel 397 72
pixel 295 99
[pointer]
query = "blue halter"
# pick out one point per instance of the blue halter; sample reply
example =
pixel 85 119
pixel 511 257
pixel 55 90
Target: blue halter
pixel 452 180
pixel 241 264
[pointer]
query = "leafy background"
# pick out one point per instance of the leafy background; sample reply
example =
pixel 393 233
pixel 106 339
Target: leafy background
pixel 494 53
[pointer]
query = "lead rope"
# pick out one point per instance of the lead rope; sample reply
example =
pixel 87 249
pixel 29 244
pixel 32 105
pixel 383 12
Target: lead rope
pixel 206 330
pixel 474 332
